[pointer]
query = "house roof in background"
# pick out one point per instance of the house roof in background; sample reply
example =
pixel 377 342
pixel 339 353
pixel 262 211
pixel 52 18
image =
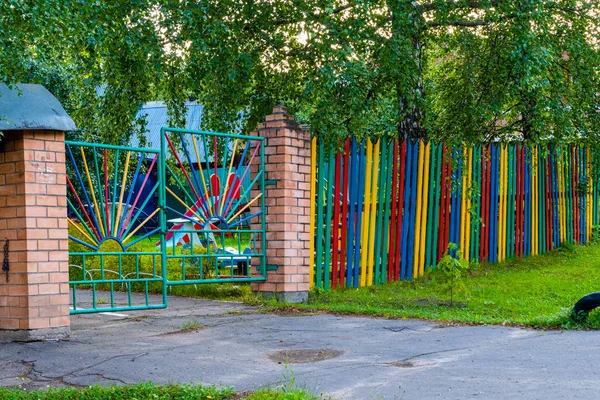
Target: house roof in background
pixel 156 115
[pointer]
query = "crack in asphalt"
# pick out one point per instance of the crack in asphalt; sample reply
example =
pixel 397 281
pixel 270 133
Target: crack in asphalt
pixel 406 328
pixel 36 376
pixel 102 376
pixel 432 353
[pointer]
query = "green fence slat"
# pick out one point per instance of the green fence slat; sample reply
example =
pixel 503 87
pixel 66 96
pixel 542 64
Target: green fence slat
pixel 386 219
pixel 476 200
pixel 430 204
pixel 319 223
pixel 436 215
pixel 543 203
pixel 379 209
pixel 328 219
pixel 473 187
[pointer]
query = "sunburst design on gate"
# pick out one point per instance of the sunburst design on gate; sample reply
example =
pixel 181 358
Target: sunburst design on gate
pixel 212 197
pixel 105 202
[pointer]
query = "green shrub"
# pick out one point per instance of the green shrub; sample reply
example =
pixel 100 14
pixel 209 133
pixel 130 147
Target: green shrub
pixel 449 272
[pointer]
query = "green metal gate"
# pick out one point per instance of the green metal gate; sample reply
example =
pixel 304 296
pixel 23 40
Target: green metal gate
pixel 214 193
pixel 190 212
pixel 114 263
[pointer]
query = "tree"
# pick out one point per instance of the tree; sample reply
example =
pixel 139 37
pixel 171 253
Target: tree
pixel 108 54
pixel 527 67
pixel 454 69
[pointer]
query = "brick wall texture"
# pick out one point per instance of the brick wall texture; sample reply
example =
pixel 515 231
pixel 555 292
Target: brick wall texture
pixel 287 161
pixel 33 217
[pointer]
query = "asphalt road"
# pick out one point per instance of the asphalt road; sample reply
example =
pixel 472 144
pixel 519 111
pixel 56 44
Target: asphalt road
pixel 342 357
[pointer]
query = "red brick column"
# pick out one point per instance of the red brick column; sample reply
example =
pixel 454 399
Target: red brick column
pixel 34 300
pixel 287 166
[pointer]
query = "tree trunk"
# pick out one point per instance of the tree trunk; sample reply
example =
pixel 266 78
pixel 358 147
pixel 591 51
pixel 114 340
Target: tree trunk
pixel 410 124
pixel 409 99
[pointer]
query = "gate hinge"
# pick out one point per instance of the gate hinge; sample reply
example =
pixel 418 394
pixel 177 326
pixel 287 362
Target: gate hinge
pixel 271 182
pixel 272 267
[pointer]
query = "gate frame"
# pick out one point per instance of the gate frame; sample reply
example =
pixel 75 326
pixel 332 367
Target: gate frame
pixel 262 267
pixel 161 253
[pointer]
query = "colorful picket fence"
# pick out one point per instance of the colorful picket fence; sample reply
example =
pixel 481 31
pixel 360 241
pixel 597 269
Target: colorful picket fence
pixel 386 210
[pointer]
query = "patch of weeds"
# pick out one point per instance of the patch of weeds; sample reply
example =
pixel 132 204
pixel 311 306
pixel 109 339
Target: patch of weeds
pixel 567 248
pixel 190 326
pixel 565 320
pixel 288 391
pixel 234 312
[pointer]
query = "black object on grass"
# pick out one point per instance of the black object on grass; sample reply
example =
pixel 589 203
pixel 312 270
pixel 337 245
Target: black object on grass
pixel 586 304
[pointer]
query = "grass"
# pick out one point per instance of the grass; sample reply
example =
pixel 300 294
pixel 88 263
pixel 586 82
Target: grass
pixel 536 291
pixel 144 391
pixel 149 391
pixel 282 394
pixel 190 326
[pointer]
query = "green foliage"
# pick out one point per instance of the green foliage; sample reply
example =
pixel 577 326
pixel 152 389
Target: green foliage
pixel 595 239
pixel 449 272
pixel 460 70
pixel 109 54
pixel 526 68
pixel 143 391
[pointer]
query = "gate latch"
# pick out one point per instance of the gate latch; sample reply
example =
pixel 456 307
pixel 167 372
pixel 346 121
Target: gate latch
pixel 5 266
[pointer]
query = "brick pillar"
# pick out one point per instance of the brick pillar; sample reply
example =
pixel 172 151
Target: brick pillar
pixel 287 164
pixel 34 299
